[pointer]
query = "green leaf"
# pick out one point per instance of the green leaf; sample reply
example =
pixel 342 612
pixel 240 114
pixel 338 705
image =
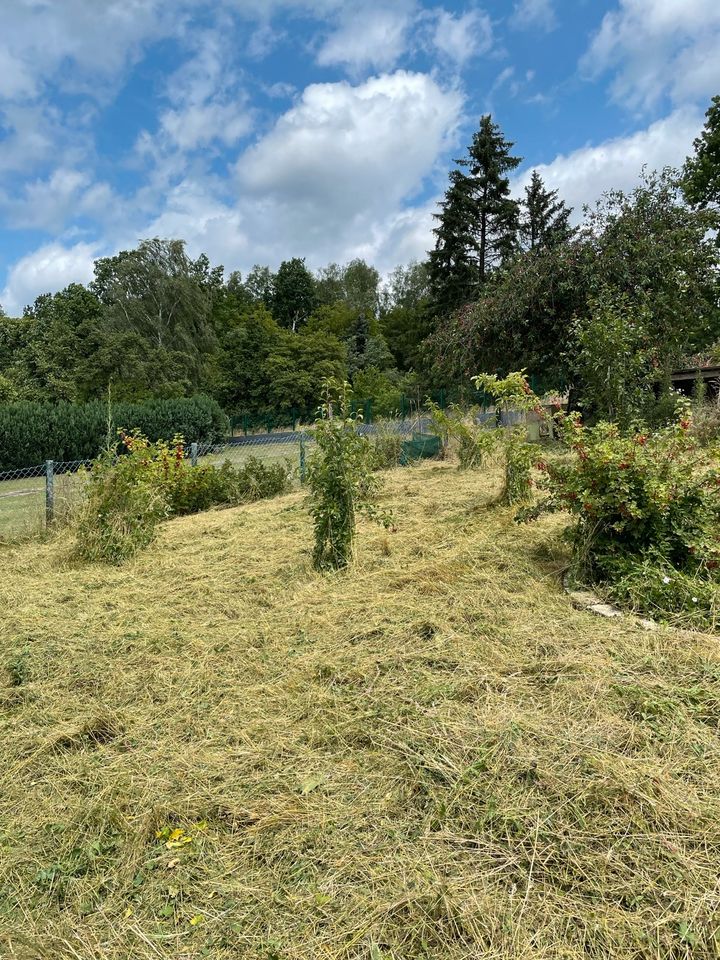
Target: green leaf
pixel 311 783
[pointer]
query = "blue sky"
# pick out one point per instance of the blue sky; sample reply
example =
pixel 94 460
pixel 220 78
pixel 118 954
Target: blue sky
pixel 259 130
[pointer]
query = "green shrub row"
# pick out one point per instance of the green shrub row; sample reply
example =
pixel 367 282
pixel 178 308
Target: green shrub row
pixel 31 433
pixel 126 497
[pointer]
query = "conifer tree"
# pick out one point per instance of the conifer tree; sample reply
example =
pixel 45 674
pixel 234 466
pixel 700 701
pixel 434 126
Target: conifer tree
pixel 544 219
pixel 478 220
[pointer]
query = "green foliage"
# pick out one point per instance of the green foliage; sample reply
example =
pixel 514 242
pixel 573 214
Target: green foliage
pixel 701 175
pixel 161 297
pixel 386 446
pixel 544 219
pixel 474 443
pixel 31 433
pixel 645 505
pixel 294 372
pixel 649 247
pixel 125 500
pixel 706 422
pixel 293 295
pixel 519 459
pixel 522 318
pixel 63 354
pixel 355 285
pixel 513 393
pixel 193 489
pixel 612 359
pixel 340 480
pixel 644 251
pixel 127 496
pixel 478 220
pixel 406 319
pixel 382 389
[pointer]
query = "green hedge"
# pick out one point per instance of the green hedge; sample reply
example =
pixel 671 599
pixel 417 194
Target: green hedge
pixel 31 433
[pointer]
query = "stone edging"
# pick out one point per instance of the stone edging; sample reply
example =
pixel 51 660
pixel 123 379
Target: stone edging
pixel 584 600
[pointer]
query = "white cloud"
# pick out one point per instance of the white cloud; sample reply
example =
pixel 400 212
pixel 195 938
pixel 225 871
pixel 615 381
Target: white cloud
pixel 369 36
pixel 330 181
pixel 464 36
pixel 583 175
pixel 532 14
pixel 47 269
pixel 197 125
pixel 347 153
pixel 209 225
pixel 658 47
pixel 83 44
pixel 207 103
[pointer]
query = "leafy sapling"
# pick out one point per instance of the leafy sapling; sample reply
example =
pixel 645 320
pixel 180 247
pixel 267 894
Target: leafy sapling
pixel 340 479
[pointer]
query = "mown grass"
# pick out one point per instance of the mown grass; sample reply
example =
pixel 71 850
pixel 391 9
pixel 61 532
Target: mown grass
pixel 434 757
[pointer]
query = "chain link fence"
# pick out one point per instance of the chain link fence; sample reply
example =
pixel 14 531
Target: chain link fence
pixel 34 497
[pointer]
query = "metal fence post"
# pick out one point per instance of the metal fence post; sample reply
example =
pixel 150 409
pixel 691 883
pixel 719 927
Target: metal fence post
pixel 302 458
pixel 193 454
pixel 49 491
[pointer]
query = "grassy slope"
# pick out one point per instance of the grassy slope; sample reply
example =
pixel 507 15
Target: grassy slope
pixel 437 757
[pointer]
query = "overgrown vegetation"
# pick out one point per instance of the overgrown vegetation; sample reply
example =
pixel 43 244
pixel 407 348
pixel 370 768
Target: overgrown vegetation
pixel 127 496
pixel 513 396
pixel 340 479
pixel 459 427
pixel 646 515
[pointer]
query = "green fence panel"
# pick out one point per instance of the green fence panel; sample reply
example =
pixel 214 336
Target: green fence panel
pixel 422 447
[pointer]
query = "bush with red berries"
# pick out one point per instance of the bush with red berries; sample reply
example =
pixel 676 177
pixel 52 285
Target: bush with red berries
pixel 646 509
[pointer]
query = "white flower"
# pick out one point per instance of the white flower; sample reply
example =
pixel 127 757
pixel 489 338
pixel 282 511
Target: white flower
pixel 695 599
pixel 666 579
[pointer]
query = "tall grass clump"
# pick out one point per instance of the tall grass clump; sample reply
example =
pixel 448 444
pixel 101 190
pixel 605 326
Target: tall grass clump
pixel 473 442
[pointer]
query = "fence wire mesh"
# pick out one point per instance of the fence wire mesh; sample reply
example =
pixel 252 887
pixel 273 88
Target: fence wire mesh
pixel 31 497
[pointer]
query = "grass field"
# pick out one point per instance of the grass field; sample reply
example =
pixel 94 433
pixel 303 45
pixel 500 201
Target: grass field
pixel 216 752
pixel 22 507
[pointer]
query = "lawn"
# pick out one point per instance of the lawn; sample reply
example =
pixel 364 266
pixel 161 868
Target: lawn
pixel 22 507
pixel 216 752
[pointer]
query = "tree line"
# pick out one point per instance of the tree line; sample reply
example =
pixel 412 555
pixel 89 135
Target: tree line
pixel 605 308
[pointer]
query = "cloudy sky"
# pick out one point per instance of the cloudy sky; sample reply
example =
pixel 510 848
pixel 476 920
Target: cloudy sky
pixel 260 130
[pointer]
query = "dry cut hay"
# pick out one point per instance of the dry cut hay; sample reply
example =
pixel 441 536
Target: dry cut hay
pixel 216 752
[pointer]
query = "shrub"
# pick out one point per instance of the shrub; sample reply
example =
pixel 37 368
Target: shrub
pixel 340 480
pixel 255 480
pixel 124 502
pixel 127 496
pixel 473 442
pixel 647 511
pixel 706 422
pixel 31 433
pixel 514 393
pixel 386 446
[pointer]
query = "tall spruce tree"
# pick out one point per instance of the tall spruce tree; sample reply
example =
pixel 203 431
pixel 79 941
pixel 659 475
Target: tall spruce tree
pixel 478 220
pixel 544 219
